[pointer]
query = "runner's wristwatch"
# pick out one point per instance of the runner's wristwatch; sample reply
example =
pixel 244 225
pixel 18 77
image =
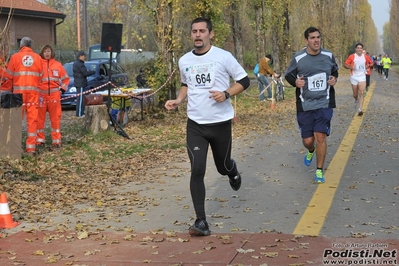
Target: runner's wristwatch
pixel 226 94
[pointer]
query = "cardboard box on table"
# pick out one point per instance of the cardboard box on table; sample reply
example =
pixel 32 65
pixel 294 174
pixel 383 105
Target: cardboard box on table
pixel 11 132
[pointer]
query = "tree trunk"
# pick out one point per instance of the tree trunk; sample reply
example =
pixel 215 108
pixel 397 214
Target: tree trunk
pixel 260 43
pixel 11 132
pixel 96 118
pixel 237 37
pixel 275 47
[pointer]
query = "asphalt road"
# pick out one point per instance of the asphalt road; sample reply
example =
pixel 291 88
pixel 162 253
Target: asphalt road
pixel 359 198
pixel 277 188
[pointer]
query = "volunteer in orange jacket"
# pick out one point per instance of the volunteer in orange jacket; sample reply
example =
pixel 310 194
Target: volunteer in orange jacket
pixel 5 82
pixel 54 82
pixel 26 70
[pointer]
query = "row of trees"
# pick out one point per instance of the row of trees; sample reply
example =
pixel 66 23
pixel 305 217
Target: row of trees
pixel 249 29
pixel 391 30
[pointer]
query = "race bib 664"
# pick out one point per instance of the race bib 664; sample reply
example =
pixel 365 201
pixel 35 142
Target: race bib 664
pixel 203 75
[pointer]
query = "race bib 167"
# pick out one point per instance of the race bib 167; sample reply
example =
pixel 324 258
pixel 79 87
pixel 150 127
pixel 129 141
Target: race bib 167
pixel 317 82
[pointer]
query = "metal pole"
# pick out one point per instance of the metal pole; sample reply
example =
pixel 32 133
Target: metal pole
pixel 84 31
pixel 78 22
pixel 109 85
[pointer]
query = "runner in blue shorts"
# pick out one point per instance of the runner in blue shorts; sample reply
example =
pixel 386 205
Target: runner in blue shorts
pixel 314 72
pixel 315 121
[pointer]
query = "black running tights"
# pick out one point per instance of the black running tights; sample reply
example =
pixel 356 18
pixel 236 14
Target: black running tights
pixel 199 137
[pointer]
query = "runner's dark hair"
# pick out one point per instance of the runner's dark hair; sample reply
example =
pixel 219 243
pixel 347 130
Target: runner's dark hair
pixel 203 19
pixel 310 30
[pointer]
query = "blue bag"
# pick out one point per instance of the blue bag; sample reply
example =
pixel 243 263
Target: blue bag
pixel 256 69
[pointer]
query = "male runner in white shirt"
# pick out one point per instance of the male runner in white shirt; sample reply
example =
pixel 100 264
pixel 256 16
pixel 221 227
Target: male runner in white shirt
pixel 205 75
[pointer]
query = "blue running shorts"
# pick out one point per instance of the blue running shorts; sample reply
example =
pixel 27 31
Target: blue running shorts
pixel 314 121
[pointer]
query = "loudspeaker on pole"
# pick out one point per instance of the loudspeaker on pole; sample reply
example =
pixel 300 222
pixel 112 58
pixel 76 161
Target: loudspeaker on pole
pixel 111 37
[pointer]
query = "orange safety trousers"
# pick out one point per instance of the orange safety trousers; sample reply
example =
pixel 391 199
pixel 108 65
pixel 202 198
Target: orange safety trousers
pixel 30 107
pixel 51 104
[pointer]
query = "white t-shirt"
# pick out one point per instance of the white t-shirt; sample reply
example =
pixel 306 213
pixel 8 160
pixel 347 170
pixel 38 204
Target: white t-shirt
pixel 210 71
pixel 360 66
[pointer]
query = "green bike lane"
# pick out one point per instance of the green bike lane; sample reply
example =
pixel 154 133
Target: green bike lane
pixel 278 217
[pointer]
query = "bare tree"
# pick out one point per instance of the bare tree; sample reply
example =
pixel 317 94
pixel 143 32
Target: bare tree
pixel 394 29
pixel 259 29
pixel 5 40
pixel 236 7
pixel 252 28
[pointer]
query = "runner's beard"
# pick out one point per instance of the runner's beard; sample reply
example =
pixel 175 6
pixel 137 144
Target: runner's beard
pixel 201 45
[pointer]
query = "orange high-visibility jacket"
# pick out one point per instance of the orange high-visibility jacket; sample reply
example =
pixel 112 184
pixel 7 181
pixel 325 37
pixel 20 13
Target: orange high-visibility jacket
pixel 24 73
pixel 54 77
pixel 5 81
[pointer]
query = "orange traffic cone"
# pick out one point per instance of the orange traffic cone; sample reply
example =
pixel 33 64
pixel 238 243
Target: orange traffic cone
pixel 273 104
pixel 5 215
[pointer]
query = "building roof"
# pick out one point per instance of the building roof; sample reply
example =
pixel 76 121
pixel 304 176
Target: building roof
pixel 29 7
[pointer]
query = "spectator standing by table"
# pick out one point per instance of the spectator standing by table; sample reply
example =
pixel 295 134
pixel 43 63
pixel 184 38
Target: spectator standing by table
pixel 80 74
pixel 55 82
pixel 205 76
pixel 313 71
pixel 26 71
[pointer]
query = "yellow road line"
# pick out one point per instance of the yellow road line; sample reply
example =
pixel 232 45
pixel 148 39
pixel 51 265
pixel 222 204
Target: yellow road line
pixel 315 214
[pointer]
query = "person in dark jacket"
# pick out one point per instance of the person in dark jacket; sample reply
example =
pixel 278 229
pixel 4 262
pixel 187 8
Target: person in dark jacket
pixel 80 74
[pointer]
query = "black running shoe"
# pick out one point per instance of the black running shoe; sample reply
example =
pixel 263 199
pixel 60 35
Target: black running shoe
pixel 235 182
pixel 199 228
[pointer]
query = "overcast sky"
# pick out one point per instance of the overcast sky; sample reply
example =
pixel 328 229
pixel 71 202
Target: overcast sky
pixel 380 13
